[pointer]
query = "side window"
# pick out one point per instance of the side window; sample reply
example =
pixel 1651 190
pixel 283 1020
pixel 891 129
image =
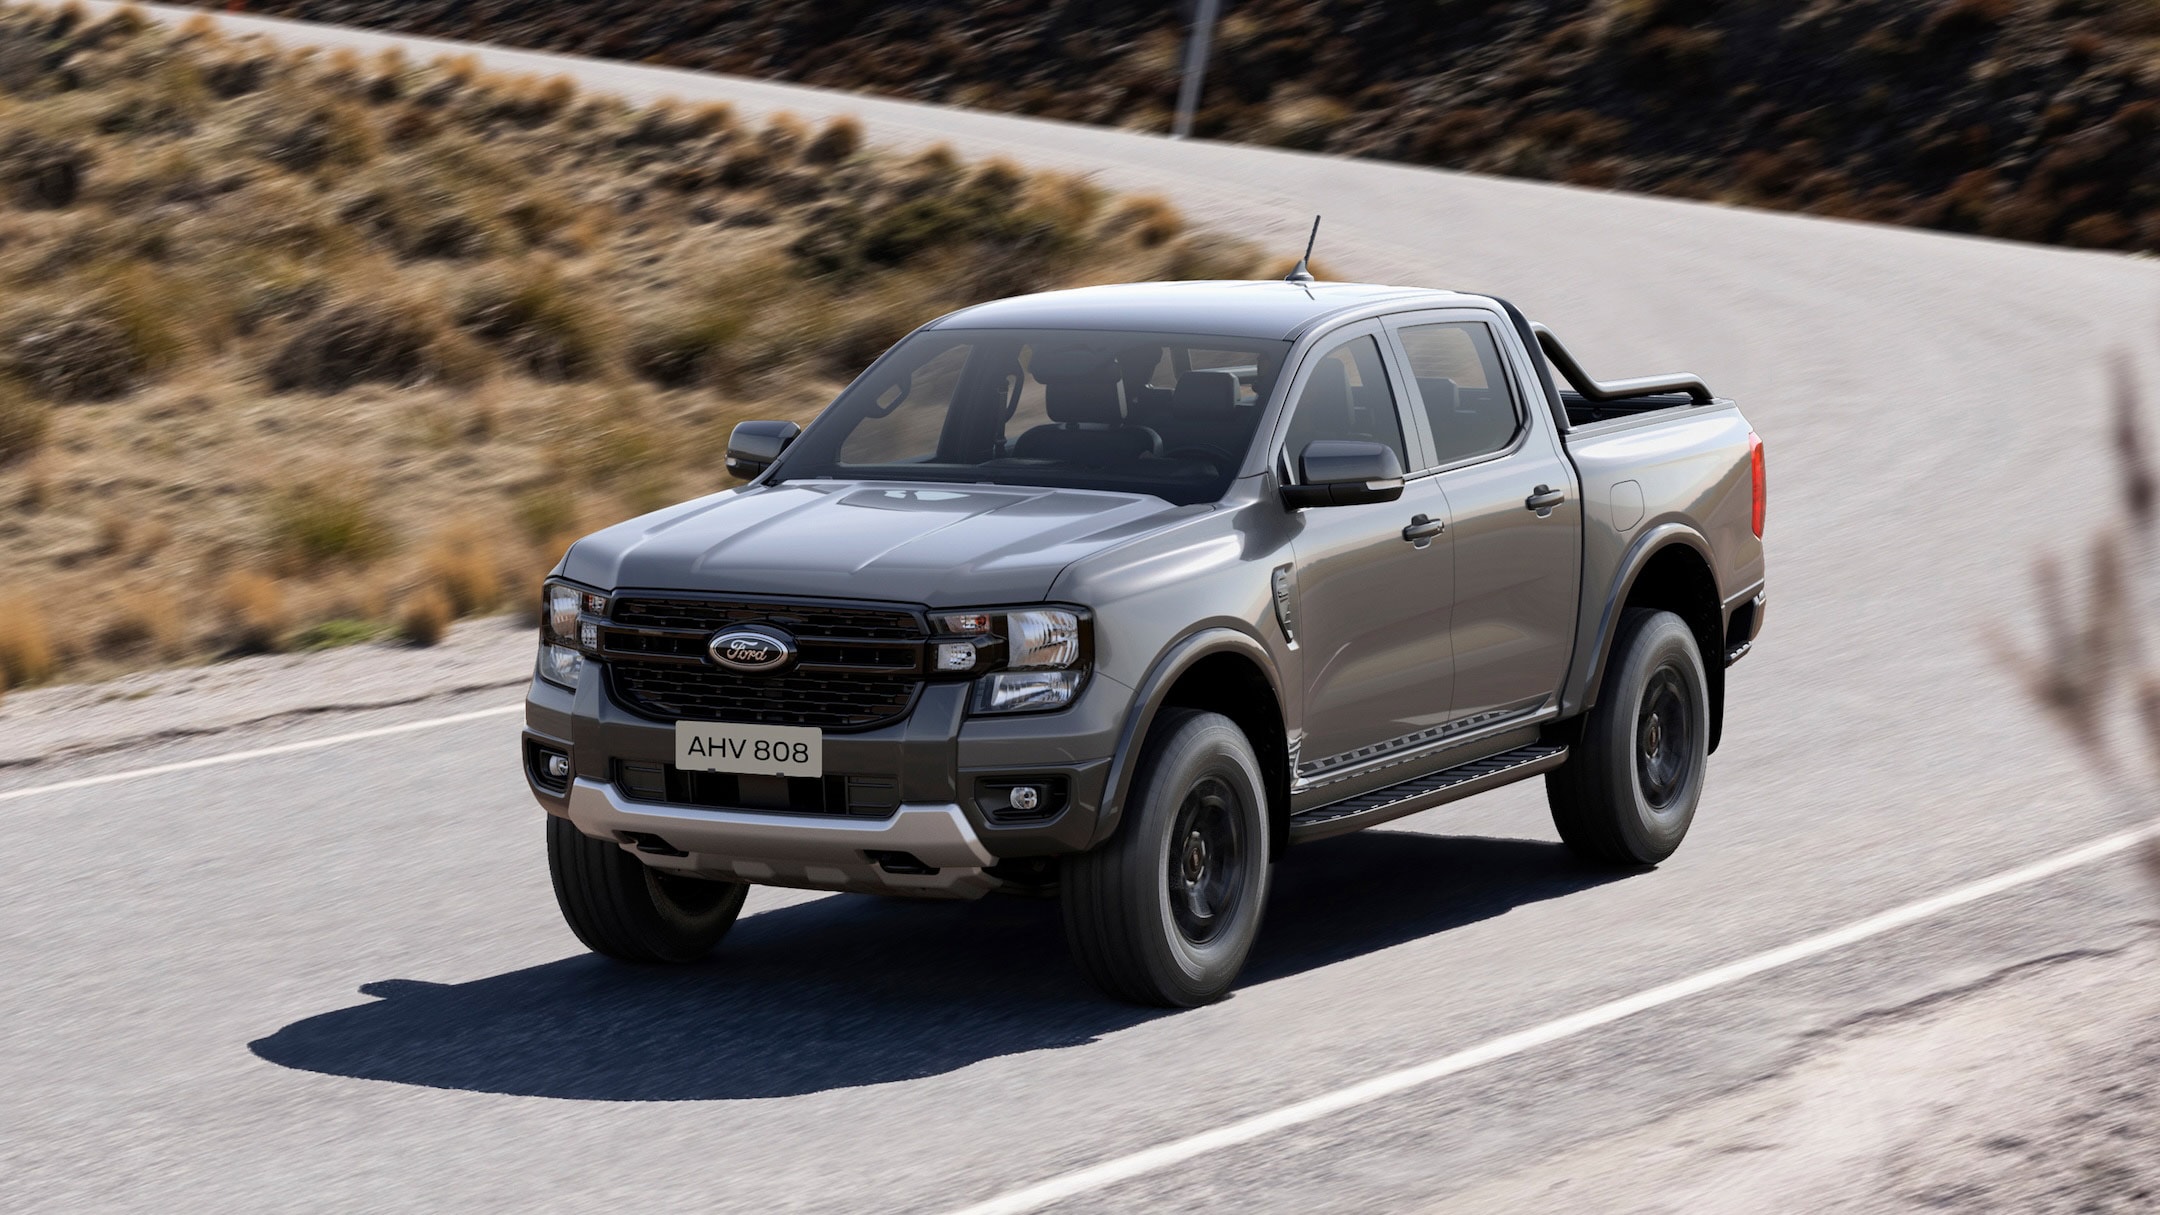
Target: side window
pixel 1347 397
pixel 910 413
pixel 1463 389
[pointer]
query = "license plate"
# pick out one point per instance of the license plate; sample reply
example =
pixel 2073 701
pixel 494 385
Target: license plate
pixel 717 746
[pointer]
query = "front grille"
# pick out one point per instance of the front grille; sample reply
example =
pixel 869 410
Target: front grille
pixel 857 667
pixel 798 698
pixel 823 620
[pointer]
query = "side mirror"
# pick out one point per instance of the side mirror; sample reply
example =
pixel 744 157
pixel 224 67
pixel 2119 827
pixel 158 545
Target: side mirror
pixel 1344 472
pixel 753 446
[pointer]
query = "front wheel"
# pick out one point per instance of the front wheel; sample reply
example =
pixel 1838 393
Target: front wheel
pixel 1166 911
pixel 624 910
pixel 1629 788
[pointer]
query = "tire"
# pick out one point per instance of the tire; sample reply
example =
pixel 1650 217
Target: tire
pixel 621 909
pixel 1165 912
pixel 1629 789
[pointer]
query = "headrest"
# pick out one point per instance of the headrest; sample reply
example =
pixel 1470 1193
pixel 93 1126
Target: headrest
pixel 1072 363
pixel 1441 393
pixel 1083 400
pixel 1205 392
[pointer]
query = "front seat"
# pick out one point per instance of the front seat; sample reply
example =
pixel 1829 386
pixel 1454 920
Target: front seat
pixel 1083 392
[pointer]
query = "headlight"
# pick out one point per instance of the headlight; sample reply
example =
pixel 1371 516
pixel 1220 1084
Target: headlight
pixel 561 664
pixel 1041 639
pixel 1026 659
pixel 563 605
pixel 569 630
pixel 1019 691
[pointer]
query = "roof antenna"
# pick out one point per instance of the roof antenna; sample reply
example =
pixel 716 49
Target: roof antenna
pixel 1298 273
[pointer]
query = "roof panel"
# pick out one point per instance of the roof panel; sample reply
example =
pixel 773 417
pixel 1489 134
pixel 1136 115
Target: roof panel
pixel 1269 309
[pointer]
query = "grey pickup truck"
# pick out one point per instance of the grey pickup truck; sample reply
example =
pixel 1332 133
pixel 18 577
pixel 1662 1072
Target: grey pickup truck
pixel 1113 594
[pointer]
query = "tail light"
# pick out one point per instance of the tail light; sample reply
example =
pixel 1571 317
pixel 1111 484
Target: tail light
pixel 1755 469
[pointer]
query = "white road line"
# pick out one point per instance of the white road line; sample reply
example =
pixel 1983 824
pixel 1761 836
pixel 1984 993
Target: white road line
pixel 234 757
pixel 1125 1168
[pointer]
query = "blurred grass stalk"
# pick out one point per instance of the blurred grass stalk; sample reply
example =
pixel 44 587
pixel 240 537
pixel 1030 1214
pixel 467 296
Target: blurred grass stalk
pixel 2099 676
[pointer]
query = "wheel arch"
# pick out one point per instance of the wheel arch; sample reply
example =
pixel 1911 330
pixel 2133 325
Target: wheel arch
pixel 1219 670
pixel 1668 569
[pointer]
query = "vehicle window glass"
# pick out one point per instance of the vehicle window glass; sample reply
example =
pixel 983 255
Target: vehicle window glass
pixel 1463 389
pixel 1165 414
pixel 907 413
pixel 1347 397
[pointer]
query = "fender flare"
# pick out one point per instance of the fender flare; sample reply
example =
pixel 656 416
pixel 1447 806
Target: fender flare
pixel 1148 701
pixel 1582 690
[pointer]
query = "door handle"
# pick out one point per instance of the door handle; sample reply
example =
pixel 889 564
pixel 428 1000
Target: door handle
pixel 1544 500
pixel 1422 529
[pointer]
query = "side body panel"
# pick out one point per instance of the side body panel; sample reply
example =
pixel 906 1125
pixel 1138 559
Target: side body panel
pixel 1678 476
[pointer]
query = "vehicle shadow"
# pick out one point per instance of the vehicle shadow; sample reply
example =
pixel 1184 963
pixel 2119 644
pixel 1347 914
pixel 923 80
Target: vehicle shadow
pixel 853 990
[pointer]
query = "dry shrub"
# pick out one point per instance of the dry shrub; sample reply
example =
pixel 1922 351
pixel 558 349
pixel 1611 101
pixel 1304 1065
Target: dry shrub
pixel 44 171
pixel 321 523
pixel 425 616
pixel 461 562
pixel 544 321
pixel 545 512
pixel 253 611
pixel 80 354
pixel 386 338
pixel 24 421
pixel 689 344
pixel 26 649
pixel 841 138
pixel 144 619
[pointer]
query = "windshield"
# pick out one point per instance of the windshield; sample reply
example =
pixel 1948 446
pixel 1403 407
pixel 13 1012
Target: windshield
pixel 1167 414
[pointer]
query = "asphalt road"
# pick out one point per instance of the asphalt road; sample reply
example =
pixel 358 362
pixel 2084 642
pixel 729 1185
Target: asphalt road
pixel 335 977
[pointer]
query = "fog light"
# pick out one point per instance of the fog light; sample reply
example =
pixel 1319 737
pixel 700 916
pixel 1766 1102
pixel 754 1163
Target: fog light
pixel 1026 797
pixel 955 655
pixel 558 766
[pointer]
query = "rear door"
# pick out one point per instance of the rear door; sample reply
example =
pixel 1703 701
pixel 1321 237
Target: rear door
pixel 1372 601
pixel 1512 509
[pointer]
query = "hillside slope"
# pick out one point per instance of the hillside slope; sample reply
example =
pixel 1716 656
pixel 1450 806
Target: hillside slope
pixel 2029 119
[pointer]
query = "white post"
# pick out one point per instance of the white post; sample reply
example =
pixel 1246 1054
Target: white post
pixel 1196 55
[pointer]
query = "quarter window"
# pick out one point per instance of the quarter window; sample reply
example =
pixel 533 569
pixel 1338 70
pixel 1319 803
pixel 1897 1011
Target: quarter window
pixel 1347 397
pixel 1463 389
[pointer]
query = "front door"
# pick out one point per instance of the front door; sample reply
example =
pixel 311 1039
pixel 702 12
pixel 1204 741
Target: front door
pixel 1372 602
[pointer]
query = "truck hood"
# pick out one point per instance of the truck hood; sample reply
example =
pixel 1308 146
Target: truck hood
pixel 941 545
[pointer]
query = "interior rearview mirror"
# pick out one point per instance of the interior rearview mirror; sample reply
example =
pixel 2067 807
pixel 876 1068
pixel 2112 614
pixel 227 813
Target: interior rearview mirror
pixel 1345 472
pixel 753 446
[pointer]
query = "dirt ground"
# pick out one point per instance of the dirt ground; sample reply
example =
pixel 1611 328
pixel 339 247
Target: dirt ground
pixel 2034 1090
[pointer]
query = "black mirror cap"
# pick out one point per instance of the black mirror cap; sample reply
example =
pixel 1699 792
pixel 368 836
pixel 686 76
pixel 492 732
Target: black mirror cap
pixel 1345 472
pixel 753 446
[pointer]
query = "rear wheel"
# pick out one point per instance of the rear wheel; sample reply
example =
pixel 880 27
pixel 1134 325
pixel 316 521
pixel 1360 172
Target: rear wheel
pixel 1631 783
pixel 1167 910
pixel 622 909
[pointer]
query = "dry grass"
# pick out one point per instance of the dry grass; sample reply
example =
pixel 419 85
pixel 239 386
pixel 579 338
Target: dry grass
pixel 426 616
pixel 268 320
pixel 2097 672
pixel 26 649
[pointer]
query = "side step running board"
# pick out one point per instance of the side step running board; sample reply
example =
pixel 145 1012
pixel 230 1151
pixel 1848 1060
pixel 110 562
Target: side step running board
pixel 1425 792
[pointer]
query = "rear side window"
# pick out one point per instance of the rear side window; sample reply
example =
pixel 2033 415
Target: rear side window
pixel 1462 388
pixel 1347 397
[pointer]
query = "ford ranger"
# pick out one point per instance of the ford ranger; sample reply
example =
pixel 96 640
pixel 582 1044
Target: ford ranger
pixel 1116 593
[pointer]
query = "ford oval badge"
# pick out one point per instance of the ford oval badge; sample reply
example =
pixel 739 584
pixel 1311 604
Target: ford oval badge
pixel 752 651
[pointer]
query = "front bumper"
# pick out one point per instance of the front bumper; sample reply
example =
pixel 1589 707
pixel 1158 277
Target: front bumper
pixel 937 759
pixel 822 853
